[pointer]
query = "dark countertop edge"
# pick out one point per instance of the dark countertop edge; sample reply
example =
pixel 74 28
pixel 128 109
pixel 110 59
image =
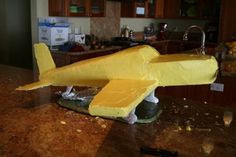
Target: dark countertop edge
pixel 122 47
pixel 190 42
pixel 112 48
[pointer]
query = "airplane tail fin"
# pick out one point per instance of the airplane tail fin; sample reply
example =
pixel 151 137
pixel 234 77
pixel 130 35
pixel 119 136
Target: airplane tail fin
pixel 43 58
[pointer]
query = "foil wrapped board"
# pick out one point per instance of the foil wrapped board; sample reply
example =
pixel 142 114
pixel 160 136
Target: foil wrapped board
pixel 146 112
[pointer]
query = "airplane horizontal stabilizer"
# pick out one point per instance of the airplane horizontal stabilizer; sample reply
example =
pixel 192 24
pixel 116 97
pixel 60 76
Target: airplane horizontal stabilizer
pixel 35 85
pixel 119 97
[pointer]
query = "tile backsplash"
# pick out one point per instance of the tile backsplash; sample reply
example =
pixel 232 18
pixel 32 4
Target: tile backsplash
pixel 108 26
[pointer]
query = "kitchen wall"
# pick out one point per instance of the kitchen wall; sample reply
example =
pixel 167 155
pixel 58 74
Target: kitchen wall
pixel 111 26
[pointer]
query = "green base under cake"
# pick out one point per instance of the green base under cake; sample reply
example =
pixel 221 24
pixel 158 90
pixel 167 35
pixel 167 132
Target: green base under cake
pixel 146 112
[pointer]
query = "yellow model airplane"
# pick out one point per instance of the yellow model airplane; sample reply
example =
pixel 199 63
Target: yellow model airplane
pixel 127 77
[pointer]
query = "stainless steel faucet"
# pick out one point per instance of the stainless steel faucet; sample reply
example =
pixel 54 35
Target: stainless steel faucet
pixel 185 37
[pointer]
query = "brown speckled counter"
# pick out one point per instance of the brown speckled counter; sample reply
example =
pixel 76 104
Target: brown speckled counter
pixel 33 125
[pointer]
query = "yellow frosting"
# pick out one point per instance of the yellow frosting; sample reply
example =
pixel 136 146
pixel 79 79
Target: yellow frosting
pixel 127 77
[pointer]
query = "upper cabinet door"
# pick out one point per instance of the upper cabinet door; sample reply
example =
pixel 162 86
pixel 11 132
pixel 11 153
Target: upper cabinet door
pixel 58 7
pixel 200 9
pixel 128 8
pixel 171 8
pixel 97 8
pixel 185 9
pixel 150 8
pixel 77 8
pixel 89 8
pixel 138 8
pixel 189 8
pixel 228 21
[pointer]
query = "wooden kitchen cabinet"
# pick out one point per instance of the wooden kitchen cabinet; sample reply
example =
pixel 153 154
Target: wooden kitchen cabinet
pixel 77 8
pixel 168 8
pixel 93 8
pixel 58 7
pixel 227 21
pixel 152 8
pixel 183 9
pixel 129 7
pixel 199 9
pixel 171 8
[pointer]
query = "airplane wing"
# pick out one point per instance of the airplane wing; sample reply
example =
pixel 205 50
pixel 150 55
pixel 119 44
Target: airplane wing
pixel 119 97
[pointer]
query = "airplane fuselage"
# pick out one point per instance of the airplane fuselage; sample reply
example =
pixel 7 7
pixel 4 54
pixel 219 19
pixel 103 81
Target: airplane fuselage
pixel 140 64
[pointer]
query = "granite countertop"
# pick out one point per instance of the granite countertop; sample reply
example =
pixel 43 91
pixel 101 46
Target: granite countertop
pixel 32 124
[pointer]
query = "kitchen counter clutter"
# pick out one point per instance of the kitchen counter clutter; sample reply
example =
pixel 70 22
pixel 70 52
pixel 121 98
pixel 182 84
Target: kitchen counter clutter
pixel 33 124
